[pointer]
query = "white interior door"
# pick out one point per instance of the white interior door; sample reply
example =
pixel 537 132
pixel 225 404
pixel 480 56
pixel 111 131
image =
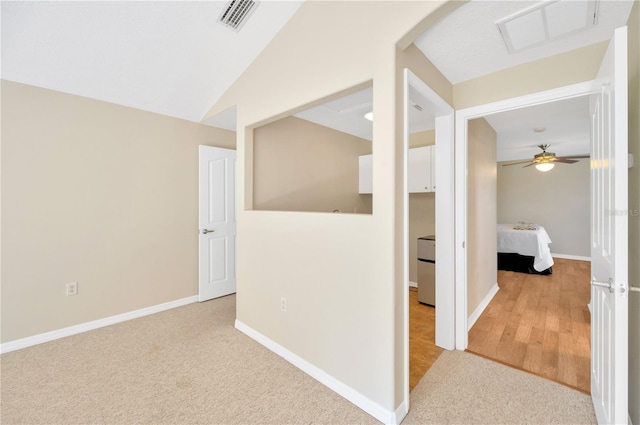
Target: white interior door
pixel 609 249
pixel 217 223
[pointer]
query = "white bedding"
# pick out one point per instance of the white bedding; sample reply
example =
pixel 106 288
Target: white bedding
pixel 534 243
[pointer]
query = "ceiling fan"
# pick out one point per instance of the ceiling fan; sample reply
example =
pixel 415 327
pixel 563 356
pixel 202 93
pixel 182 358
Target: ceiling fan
pixel 545 161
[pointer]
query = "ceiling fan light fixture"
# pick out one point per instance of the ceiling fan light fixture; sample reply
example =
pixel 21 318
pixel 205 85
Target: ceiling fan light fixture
pixel 545 166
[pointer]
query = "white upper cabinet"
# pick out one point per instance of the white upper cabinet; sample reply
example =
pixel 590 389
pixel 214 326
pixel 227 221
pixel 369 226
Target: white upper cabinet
pixel 365 184
pixel 420 169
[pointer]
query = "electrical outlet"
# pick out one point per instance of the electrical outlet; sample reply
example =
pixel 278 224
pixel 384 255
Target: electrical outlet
pixel 283 304
pixel 72 288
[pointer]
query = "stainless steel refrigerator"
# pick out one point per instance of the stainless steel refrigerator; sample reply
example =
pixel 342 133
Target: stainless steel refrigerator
pixel 427 270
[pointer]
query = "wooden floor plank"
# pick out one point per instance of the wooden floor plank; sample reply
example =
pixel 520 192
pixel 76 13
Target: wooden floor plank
pixel 540 324
pixel 423 351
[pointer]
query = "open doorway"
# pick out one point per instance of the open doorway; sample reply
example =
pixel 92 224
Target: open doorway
pixel 428 143
pixel 486 72
pixel 538 320
pixel 608 231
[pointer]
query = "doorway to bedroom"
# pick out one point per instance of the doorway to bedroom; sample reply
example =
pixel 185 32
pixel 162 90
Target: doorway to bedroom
pixel 535 315
pixel 538 318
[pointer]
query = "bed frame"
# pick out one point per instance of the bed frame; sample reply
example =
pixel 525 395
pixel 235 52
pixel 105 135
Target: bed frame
pixel 519 263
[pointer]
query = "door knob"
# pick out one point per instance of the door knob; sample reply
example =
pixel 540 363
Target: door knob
pixel 609 285
pixel 612 286
pixel 205 231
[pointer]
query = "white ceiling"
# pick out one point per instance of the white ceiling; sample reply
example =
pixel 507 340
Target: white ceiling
pixel 169 57
pixel 173 58
pixel 467 43
pixel 566 129
pixel 480 50
pixel 346 114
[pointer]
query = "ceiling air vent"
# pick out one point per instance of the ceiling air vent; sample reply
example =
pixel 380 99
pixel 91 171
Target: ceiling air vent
pixel 236 12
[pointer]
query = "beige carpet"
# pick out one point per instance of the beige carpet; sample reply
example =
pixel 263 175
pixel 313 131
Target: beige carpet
pixel 461 388
pixel 190 366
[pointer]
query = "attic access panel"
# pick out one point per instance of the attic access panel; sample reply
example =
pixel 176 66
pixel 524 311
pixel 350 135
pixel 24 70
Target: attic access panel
pixel 547 21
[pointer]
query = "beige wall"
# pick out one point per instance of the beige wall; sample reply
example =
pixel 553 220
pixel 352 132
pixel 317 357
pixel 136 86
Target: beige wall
pixel 422 208
pixel 634 217
pixel 544 74
pixel 559 200
pixel 341 273
pixel 302 166
pixel 482 215
pixel 99 194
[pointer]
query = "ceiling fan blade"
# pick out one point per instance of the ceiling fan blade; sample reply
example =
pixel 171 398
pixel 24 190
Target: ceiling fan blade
pixel 566 160
pixel 515 163
pixel 573 157
pixel 533 163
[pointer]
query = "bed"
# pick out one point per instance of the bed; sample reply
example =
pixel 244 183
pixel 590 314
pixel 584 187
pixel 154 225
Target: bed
pixel 524 248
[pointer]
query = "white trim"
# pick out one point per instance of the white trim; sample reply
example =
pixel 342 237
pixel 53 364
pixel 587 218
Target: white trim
pixel 445 203
pixel 571 257
pixel 95 324
pixel 460 214
pixel 445 249
pixel 405 244
pixel 374 409
pixel 461 121
pixel 485 302
pixel 413 284
pixel 401 412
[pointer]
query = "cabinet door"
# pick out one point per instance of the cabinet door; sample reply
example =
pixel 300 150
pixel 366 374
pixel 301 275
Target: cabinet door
pixel 365 181
pixel 419 170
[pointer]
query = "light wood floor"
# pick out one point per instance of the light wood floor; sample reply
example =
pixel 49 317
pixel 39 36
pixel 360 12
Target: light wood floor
pixel 422 333
pixel 540 324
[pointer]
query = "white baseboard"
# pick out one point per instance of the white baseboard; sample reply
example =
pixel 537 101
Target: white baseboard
pixel 478 311
pixel 571 257
pixel 89 326
pixel 374 409
pixel 401 412
pixel 413 284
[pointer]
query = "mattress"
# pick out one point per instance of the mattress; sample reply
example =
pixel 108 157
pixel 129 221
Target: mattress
pixel 533 243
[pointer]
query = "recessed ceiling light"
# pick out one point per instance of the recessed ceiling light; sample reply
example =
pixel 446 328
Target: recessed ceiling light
pixel 539 129
pixel 369 115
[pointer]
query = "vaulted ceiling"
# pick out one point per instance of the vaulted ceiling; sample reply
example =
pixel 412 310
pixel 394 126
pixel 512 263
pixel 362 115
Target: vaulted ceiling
pixel 169 57
pixel 173 58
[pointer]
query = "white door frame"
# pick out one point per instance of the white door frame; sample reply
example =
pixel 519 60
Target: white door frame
pixel 444 150
pixel 463 116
